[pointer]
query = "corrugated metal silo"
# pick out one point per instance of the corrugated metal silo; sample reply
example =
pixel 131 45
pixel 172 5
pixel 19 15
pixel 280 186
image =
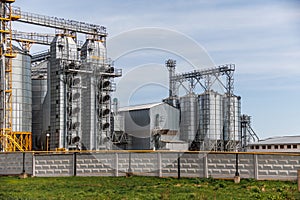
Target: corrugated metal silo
pixel 210 120
pixel 40 104
pixel 232 113
pixel 21 92
pixel 188 117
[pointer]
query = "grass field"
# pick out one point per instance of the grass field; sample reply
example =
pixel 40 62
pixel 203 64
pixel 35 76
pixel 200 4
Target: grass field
pixel 143 188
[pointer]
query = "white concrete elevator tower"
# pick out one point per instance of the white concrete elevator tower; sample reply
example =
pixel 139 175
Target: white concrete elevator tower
pixel 65 92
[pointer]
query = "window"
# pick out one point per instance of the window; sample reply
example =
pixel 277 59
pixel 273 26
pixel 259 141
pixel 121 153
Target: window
pixel 263 147
pixel 289 146
pixel 276 146
pixel 281 146
pixel 294 146
pixel 252 147
pixel 269 147
pixel 256 147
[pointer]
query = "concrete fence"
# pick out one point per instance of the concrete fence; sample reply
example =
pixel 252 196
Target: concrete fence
pixel 259 166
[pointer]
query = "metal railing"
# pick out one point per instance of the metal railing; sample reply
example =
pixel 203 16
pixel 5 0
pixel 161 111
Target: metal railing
pixel 38 38
pixel 60 23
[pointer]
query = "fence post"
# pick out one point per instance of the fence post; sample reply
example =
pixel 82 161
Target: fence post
pixel 116 164
pixel 205 166
pixel 23 167
pixel 23 174
pixel 237 178
pixel 159 164
pixel 33 164
pixel 255 163
pixel 178 166
pixel 74 163
pixel 129 172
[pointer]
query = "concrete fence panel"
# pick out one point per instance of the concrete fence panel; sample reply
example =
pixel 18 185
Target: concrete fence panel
pixel 221 165
pixel 169 164
pixel 246 165
pixel 95 164
pixel 192 165
pixel 47 165
pixel 277 167
pixel 259 166
pixel 15 163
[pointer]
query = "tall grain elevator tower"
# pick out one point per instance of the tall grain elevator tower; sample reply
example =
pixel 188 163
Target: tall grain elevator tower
pixel 65 125
pixel 98 84
pixel 81 79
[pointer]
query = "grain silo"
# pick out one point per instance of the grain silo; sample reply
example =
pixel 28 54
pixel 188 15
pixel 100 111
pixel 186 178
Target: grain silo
pixel 188 117
pixel 210 120
pixel 21 92
pixel 16 98
pixel 232 116
pixel 40 104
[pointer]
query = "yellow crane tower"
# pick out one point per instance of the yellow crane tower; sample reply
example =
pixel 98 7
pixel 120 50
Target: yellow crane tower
pixel 9 140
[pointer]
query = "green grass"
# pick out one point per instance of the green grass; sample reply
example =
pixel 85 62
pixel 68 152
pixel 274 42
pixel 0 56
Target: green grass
pixel 143 188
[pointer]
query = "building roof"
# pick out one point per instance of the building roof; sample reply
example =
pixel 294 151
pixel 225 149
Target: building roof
pixel 279 140
pixel 140 107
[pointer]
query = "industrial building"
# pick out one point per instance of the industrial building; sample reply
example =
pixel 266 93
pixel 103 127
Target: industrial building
pixel 289 144
pixel 152 126
pixel 60 99
pixel 207 121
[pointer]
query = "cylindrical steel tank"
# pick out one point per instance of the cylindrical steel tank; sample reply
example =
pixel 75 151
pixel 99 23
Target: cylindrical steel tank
pixel 188 117
pixel 40 104
pixel 232 113
pixel 210 118
pixel 21 92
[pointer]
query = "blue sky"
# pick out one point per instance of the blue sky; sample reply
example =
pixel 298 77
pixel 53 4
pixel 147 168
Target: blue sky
pixel 261 37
